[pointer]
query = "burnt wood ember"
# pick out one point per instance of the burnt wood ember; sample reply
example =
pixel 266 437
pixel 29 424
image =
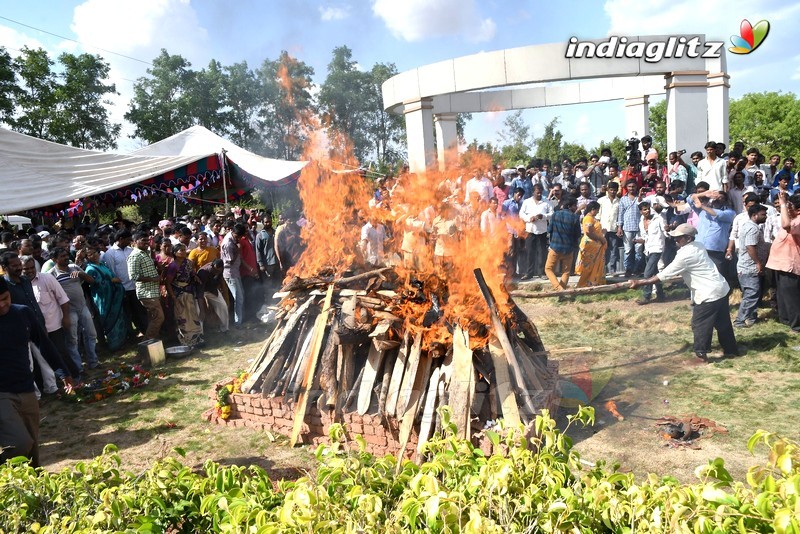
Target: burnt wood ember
pixel 382 348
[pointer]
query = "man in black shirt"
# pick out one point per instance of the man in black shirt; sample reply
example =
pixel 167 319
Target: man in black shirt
pixel 19 409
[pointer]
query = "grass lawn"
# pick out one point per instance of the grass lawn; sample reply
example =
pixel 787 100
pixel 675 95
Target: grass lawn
pixel 635 350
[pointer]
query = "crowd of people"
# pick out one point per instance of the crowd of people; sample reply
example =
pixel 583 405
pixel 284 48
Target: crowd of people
pixel 720 220
pixel 135 282
pixel 596 218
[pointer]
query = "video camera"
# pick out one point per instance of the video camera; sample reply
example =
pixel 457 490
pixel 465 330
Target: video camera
pixel 634 155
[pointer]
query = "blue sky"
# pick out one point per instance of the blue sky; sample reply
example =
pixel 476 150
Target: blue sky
pixel 408 33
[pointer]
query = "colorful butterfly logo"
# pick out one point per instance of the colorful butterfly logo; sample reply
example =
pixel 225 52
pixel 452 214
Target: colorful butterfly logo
pixel 750 37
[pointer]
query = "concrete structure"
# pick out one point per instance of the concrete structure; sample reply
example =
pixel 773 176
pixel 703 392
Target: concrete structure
pixel 431 96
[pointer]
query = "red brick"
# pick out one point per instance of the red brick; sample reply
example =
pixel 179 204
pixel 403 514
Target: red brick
pixel 376 440
pixel 356 428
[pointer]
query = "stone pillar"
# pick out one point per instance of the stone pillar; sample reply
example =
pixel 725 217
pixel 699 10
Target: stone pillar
pixel 446 139
pixel 419 132
pixel 718 85
pixel 687 110
pixel 637 116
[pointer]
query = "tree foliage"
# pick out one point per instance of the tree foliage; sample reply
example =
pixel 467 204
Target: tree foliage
pixel 767 121
pixel 515 140
pixel 548 145
pixel 162 101
pixel 65 102
pixel 658 127
pixel 81 117
pixel 36 100
pixel 351 104
pixel 287 105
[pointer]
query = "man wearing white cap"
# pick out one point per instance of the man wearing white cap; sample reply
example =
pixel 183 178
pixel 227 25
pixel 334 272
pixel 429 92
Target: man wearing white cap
pixel 709 292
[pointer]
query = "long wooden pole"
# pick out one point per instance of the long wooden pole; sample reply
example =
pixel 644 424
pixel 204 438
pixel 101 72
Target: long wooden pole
pixel 589 290
pixel 308 379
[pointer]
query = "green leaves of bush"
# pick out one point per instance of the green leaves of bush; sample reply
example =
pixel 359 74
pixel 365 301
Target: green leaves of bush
pixel 537 484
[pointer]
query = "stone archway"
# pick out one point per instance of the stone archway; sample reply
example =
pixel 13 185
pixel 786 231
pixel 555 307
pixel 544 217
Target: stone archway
pixel 431 96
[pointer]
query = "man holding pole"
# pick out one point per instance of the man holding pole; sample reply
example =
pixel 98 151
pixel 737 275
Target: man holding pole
pixel 709 292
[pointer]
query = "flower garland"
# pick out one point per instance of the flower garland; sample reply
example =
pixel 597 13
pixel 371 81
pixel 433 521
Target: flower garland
pixel 132 376
pixel 222 407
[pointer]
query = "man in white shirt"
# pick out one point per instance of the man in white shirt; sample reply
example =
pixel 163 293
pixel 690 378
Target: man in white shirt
pixel 54 303
pixel 609 211
pixel 652 235
pixel 708 288
pixel 373 236
pixel 479 184
pixel 712 169
pixel 116 259
pixel 535 212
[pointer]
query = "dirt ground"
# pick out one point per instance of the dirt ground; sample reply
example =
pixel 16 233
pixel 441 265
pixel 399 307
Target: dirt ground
pixel 640 359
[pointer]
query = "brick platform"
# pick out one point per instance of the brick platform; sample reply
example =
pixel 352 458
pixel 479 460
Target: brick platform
pixel 273 414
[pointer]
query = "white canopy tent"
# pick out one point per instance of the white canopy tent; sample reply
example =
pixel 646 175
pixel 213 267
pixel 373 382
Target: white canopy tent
pixel 198 141
pixel 36 173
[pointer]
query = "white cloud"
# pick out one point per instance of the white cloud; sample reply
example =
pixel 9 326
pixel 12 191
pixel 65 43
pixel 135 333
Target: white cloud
pixel 718 20
pixel 417 20
pixel 13 40
pixel 329 13
pixel 138 30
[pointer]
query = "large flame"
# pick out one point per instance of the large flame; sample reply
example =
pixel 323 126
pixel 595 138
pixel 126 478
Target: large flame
pixel 436 292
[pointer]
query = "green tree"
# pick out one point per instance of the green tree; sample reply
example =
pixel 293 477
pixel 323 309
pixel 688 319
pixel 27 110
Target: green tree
pixel 285 117
pixel 386 130
pixel 343 100
pixel 162 101
pixel 515 139
pixel 767 121
pixel 573 152
pixel 658 127
pixel 207 98
pixel 616 146
pixel 81 116
pixel 242 98
pixel 9 90
pixel 461 123
pixel 36 101
pixel 548 145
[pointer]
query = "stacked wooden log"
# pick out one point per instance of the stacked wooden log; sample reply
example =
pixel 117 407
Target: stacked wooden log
pixel 350 349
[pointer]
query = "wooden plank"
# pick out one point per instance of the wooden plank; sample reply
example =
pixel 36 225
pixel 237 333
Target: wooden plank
pixel 388 367
pixel 374 360
pixel 429 413
pixel 460 382
pixel 407 386
pixel 347 375
pixel 502 336
pixel 502 380
pixel 397 376
pixel 302 402
pixel 410 413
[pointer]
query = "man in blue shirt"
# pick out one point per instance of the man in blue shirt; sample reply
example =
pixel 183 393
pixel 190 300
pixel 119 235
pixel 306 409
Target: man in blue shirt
pixel 714 226
pixel 565 235
pixel 788 166
pixel 628 227
pixel 516 252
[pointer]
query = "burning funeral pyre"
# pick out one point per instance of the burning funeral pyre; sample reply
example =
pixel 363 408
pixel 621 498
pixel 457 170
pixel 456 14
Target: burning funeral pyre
pixel 382 346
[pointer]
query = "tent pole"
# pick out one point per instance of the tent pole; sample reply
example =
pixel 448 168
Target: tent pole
pixel 224 181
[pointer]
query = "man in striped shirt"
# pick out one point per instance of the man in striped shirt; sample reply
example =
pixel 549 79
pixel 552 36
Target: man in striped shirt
pixel 142 270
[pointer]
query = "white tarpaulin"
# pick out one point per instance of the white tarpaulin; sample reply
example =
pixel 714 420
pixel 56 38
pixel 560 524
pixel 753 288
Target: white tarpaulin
pixel 198 140
pixel 36 173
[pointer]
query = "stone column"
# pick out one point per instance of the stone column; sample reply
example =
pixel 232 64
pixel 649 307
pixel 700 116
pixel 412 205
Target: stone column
pixel 637 116
pixel 446 139
pixel 419 132
pixel 718 85
pixel 687 110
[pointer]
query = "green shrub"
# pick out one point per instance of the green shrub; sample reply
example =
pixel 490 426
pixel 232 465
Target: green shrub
pixel 537 484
